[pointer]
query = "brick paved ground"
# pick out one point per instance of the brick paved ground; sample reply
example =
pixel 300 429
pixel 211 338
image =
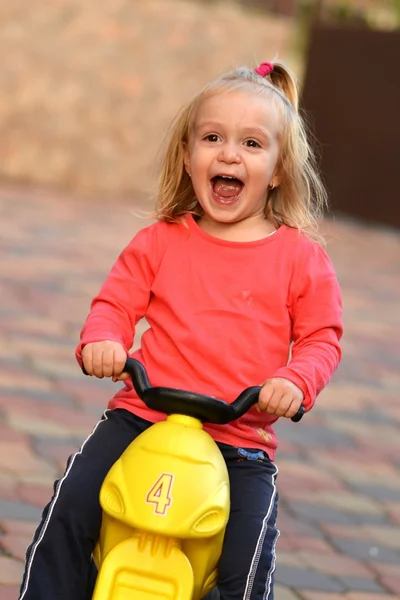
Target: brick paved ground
pixel 339 469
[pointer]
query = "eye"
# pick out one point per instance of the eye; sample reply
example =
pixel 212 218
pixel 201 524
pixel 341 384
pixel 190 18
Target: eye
pixel 252 144
pixel 212 137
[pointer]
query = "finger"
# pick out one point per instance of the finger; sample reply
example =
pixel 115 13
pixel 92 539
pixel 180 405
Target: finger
pixel 283 405
pixel 108 363
pixel 293 408
pixel 121 377
pixel 264 396
pixel 87 360
pixel 98 364
pixel 119 360
pixel 271 406
pixel 274 403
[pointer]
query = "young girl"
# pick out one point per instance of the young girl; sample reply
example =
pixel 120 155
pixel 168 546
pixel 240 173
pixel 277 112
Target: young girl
pixel 236 293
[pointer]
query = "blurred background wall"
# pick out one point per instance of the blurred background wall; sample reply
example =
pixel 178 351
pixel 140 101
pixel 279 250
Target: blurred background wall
pixel 88 88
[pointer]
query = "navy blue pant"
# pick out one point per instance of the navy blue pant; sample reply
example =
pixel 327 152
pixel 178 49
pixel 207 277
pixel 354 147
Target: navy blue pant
pixel 58 562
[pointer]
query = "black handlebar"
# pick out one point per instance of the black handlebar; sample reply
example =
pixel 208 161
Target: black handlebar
pixel 206 408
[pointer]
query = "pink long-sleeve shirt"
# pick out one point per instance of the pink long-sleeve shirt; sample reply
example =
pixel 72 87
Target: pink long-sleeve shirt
pixel 222 316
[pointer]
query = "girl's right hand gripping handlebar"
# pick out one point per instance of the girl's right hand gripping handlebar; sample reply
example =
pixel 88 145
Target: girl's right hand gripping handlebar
pixel 205 408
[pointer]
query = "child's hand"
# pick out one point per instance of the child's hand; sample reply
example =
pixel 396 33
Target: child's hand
pixel 280 397
pixel 105 359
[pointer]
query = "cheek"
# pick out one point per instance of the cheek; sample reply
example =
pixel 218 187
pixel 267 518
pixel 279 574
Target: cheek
pixel 198 162
pixel 266 169
pixel 262 174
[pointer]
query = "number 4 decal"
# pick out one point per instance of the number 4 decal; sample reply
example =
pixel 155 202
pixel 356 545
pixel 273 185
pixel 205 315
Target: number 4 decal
pixel 160 494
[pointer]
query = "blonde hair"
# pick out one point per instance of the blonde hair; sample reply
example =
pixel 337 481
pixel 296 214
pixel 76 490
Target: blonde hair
pixel 300 198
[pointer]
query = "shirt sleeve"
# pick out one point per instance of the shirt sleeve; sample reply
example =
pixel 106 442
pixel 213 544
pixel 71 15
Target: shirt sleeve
pixel 125 294
pixel 315 305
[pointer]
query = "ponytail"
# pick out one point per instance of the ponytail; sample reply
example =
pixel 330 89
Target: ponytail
pixel 281 78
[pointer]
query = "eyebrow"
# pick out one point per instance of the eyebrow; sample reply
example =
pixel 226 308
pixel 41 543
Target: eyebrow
pixel 256 131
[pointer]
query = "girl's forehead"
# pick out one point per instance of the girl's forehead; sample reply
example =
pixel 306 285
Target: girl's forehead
pixel 240 106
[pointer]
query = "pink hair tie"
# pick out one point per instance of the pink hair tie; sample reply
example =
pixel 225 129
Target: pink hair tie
pixel 264 69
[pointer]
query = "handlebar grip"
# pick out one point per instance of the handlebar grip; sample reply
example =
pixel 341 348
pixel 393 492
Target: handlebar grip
pixel 299 415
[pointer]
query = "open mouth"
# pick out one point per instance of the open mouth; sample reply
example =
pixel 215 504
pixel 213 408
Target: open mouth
pixel 226 189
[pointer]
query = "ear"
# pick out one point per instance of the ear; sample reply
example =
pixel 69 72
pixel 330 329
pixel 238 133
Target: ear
pixel 186 157
pixel 277 176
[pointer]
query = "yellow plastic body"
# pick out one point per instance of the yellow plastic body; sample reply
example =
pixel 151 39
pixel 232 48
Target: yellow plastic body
pixel 165 509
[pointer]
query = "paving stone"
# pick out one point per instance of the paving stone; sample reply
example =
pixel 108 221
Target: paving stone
pixel 18 459
pixel 302 468
pixel 11 362
pixel 369 416
pixel 29 324
pixel 297 527
pixel 360 584
pixel 384 435
pixel 8 481
pixel 365 519
pixel 335 564
pixel 49 424
pixel 11 571
pixel 15 526
pixel 9 435
pixel 384 569
pixel 282 592
pixel 9 492
pixel 393 511
pixel 355 532
pixel 365 459
pixel 392 583
pixel 57 452
pixel 285 543
pixel 56 368
pixel 379 492
pixel 53 396
pixel 313 544
pixel 38 495
pixel 367 550
pixel 313 438
pixel 60 457
pixel 39 478
pixel 388 536
pixel 309 595
pixel 343 500
pixel 18 510
pixel 289 558
pixel 9 592
pixel 367 596
pixel 296 486
pixel 307 579
pixel 26 381
pixel 47 441
pixel 15 545
pixel 90 392
pixel 313 512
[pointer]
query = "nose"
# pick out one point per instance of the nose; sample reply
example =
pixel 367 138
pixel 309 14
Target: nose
pixel 229 153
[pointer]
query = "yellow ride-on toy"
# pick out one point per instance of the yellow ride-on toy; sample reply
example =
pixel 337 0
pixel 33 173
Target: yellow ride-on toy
pixel 166 500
